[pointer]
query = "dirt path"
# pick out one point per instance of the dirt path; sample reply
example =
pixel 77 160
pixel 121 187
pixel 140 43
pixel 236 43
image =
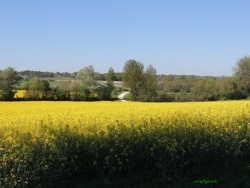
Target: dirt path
pixel 121 96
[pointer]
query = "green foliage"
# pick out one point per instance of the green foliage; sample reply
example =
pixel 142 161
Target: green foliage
pixel 101 92
pixel 75 94
pixel 142 84
pixel 229 89
pixel 205 89
pixel 87 75
pixel 191 88
pixel 7 95
pixel 118 76
pixel 41 74
pixel 37 89
pixel 128 96
pixel 132 77
pixel 60 94
pixel 8 80
pixel 242 72
pixel 150 83
pixel 110 76
pixel 85 93
pixel 89 88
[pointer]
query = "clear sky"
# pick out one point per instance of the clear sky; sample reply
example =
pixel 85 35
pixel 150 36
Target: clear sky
pixel 192 37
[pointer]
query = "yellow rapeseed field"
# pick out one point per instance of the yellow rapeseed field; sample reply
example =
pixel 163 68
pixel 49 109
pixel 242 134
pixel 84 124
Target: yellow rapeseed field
pixel 28 115
pixel 19 93
pixel 46 141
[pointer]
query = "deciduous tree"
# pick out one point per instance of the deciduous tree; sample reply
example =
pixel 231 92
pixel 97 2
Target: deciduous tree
pixel 242 72
pixel 8 80
pixel 110 76
pixel 87 75
pixel 133 77
pixel 150 82
pixel 34 88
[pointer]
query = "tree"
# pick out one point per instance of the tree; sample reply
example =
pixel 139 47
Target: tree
pixel 228 88
pixel 46 92
pixel 101 92
pixel 37 89
pixel 85 93
pixel 88 78
pixel 242 72
pixel 8 80
pixel 87 75
pixel 118 76
pixel 75 91
pixel 110 76
pixel 34 88
pixel 205 89
pixel 133 77
pixel 150 82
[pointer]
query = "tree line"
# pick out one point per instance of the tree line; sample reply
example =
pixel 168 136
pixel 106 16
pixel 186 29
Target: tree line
pixel 143 84
pixel 85 86
pixel 41 74
pixel 144 87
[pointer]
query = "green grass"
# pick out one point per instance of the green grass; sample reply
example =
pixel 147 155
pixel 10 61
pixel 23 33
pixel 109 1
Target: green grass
pixel 56 78
pixel 128 96
pixel 22 84
pixel 53 82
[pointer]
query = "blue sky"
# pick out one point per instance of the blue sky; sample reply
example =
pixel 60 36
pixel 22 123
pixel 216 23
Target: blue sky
pixel 192 37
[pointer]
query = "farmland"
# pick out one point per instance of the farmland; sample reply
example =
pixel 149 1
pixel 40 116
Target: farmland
pixel 46 142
